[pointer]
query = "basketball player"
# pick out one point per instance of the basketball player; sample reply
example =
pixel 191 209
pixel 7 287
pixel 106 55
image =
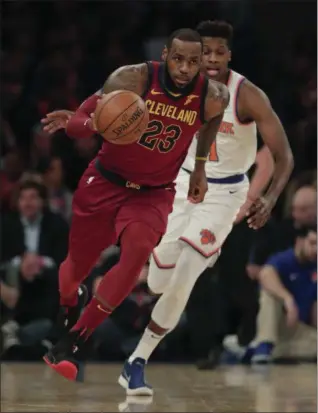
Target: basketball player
pixel 196 232
pixel 126 194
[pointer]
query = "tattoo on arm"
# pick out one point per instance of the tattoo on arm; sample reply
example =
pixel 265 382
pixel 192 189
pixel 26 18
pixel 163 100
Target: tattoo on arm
pixel 216 102
pixel 133 77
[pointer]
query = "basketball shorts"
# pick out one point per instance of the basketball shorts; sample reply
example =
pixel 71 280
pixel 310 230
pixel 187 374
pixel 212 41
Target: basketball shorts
pixel 203 226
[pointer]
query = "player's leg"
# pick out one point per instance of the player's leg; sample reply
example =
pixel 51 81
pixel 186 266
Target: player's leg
pixel 91 231
pixel 209 225
pixel 95 206
pixel 166 254
pixel 140 223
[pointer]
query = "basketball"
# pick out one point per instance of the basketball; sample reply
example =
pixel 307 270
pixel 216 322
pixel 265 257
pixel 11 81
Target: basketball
pixel 121 117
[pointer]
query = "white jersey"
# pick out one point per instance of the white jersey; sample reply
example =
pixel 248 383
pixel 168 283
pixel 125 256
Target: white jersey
pixel 234 149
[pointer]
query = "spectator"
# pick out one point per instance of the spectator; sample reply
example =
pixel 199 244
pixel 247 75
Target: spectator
pixel 9 178
pixel 35 245
pixel 41 146
pixel 289 282
pixel 278 236
pixel 59 197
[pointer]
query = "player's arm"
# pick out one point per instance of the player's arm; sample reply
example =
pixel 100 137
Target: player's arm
pixel 216 102
pixel 133 77
pixel 264 169
pixel 262 175
pixel 256 105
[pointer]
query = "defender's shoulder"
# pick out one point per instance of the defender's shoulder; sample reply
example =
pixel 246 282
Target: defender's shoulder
pixel 218 92
pixel 249 90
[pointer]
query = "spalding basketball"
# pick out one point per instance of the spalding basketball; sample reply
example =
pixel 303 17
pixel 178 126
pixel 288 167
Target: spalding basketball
pixel 121 117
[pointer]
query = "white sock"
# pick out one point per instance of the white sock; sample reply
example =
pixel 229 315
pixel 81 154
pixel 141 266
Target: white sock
pixel 146 346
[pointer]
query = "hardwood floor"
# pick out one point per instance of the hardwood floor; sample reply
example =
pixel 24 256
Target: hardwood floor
pixel 178 388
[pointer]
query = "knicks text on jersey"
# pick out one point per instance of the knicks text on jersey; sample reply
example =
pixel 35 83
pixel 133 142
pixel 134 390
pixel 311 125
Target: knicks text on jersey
pixel 234 149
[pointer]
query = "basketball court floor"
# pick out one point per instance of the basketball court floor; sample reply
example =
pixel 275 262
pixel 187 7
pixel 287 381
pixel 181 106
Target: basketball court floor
pixel 178 388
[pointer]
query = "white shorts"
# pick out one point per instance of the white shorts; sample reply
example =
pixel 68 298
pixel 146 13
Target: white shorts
pixel 203 226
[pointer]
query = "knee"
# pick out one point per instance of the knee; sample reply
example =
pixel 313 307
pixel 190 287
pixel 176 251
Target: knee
pixel 158 278
pixel 155 285
pixel 139 238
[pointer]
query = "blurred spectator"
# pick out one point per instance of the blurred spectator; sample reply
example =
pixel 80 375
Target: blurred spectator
pixel 13 166
pixel 305 178
pixel 36 244
pixel 289 282
pixel 59 197
pixel 8 139
pixel 277 236
pixel 41 146
pixel 34 229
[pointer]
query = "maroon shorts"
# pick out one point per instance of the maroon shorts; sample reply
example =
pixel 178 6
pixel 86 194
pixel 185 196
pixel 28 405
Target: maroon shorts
pixel 101 211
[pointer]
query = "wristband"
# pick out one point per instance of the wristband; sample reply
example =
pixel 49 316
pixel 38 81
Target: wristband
pixel 201 158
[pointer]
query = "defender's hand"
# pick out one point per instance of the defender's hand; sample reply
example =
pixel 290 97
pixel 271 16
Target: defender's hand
pixel 259 212
pixel 56 120
pixel 198 186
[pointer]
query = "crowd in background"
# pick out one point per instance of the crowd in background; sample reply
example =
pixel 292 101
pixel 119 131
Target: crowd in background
pixel 54 54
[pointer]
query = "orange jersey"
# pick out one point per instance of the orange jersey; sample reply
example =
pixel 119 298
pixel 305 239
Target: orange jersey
pixel 155 159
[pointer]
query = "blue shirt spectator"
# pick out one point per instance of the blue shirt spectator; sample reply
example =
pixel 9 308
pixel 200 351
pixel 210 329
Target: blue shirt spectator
pixel 300 279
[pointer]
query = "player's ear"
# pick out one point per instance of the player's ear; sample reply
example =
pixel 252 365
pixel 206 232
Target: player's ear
pixel 164 54
pixel 230 55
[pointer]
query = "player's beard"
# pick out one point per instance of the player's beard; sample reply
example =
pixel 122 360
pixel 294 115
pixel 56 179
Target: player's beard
pixel 172 87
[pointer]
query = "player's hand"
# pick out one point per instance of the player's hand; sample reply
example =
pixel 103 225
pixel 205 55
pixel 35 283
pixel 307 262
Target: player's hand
pixel 91 123
pixel 243 210
pixel 198 186
pixel 292 315
pixel 56 120
pixel 259 212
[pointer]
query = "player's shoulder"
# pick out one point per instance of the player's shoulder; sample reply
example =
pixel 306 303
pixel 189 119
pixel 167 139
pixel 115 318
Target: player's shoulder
pixel 129 77
pixel 135 69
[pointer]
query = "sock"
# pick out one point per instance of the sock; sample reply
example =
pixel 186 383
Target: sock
pixel 93 315
pixel 146 346
pixel 137 242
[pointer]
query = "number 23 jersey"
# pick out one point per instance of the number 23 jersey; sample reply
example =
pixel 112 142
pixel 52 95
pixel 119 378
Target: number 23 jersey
pixel 155 159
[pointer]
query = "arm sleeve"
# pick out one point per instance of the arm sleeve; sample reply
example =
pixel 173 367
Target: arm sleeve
pixel 77 126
